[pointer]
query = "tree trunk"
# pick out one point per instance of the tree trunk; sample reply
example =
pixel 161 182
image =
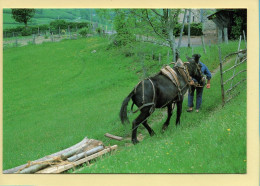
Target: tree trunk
pixel 179 44
pixel 226 35
pixel 189 20
pixel 220 38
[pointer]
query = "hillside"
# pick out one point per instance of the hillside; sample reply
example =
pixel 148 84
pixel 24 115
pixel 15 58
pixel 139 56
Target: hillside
pixel 55 94
pixel 45 16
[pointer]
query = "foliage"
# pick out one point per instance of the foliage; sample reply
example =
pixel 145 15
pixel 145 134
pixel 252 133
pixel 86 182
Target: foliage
pixel 26 31
pixel 239 23
pixel 124 27
pixel 62 24
pixel 23 15
pixel 84 31
pixel 195 29
pixel 99 30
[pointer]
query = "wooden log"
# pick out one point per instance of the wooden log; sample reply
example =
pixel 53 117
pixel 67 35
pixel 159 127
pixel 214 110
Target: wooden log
pixel 62 168
pixel 113 136
pixel 46 163
pixel 77 150
pixel 33 168
pixel 87 153
pixel 15 169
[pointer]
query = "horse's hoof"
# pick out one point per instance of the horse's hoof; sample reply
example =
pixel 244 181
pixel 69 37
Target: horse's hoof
pixel 135 142
pixel 164 128
pixel 152 133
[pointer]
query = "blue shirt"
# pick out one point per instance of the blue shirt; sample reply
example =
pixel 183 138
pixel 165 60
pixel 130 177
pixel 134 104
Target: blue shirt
pixel 205 70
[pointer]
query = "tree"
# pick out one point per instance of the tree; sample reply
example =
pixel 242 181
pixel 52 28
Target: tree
pixel 163 23
pixel 22 15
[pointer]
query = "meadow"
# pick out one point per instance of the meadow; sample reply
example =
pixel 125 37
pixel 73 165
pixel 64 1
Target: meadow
pixel 55 94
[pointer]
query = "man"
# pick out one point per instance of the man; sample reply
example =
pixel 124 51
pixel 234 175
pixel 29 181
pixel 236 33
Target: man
pixel 199 89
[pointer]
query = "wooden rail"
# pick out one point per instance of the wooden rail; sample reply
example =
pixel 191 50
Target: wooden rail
pixel 233 76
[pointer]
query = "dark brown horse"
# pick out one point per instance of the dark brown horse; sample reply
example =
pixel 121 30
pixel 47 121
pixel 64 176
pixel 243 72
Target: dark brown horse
pixel 159 92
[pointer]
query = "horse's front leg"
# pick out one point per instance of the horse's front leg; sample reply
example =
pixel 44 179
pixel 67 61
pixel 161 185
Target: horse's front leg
pixel 179 111
pixel 167 122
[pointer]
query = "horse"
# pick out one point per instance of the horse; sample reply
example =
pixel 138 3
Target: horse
pixel 159 91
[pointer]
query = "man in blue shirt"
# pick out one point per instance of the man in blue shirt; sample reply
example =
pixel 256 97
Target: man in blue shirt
pixel 199 90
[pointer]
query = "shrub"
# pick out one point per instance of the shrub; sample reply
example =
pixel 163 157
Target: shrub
pixel 26 31
pixel 195 29
pixel 99 30
pixel 62 24
pixel 84 31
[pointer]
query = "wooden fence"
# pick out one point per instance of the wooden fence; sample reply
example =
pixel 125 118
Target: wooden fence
pixel 241 57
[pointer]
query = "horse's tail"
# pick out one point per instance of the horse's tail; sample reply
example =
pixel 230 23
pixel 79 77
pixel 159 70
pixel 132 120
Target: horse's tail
pixel 123 110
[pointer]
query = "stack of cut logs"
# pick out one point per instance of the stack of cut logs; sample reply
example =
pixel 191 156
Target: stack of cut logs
pixel 82 152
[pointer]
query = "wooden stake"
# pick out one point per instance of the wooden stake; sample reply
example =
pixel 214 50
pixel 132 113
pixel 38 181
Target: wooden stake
pixel 114 137
pixel 221 77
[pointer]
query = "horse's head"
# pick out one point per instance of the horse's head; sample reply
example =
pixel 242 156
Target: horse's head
pixel 194 68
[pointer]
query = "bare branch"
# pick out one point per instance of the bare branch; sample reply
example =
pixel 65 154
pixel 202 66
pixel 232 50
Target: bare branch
pixel 149 21
pixel 156 13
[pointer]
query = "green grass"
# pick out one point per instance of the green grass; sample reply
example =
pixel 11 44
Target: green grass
pixel 55 94
pixel 212 141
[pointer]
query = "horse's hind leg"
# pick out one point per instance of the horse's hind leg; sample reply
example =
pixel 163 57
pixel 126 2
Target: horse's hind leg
pixel 179 111
pixel 167 122
pixel 140 119
pixel 150 130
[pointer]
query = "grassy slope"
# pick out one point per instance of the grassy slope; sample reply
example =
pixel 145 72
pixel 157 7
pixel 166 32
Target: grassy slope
pixel 212 141
pixel 57 93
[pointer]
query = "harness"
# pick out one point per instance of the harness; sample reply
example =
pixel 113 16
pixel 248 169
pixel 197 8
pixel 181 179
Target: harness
pixel 172 75
pixel 145 104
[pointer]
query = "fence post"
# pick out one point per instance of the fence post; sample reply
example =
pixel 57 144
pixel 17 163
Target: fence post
pixel 76 32
pixel 203 44
pixel 245 37
pixel 236 60
pixel 16 41
pixel 143 67
pixel 33 41
pixel 174 52
pixel 52 38
pixel 221 77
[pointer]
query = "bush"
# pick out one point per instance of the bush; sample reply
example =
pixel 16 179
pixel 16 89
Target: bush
pixel 84 31
pixel 62 24
pixel 195 29
pixel 26 31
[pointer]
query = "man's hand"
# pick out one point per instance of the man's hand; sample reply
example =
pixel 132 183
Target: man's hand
pixel 208 86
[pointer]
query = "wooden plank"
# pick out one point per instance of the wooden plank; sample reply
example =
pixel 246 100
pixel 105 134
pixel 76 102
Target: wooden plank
pixel 15 169
pixel 62 168
pixel 113 136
